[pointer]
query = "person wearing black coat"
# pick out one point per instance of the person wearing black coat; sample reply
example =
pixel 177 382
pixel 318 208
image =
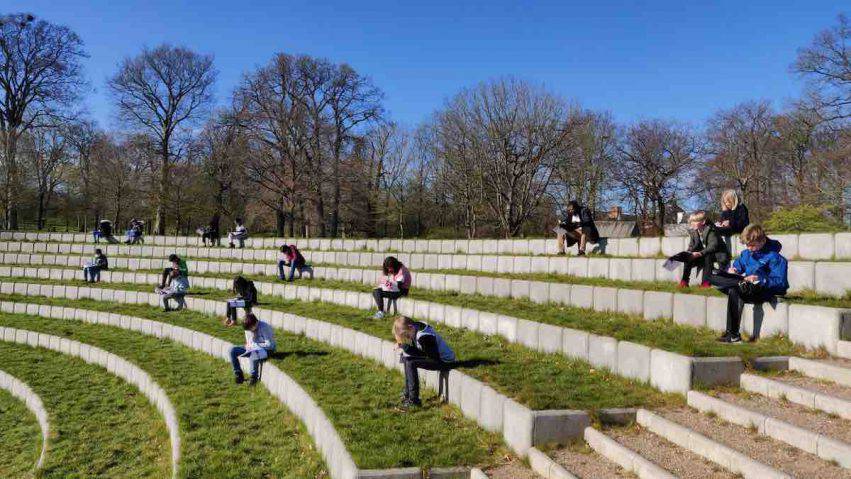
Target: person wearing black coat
pixel 579 228
pixel 706 248
pixel 734 219
pixel 246 297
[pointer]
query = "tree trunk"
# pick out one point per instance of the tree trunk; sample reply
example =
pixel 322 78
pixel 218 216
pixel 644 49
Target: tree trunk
pixel 280 221
pixel 162 196
pixel 10 200
pixel 39 222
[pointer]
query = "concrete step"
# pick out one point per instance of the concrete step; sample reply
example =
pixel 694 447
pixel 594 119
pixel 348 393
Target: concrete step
pixel 808 392
pixel 835 370
pixel 810 431
pixel 581 461
pixel 843 349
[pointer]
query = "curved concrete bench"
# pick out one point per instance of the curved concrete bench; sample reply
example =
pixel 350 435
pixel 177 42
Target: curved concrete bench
pixel 115 365
pixel 807 325
pixel 824 277
pixel 520 426
pixel 287 390
pixel 667 371
pixel 20 390
pixel 812 246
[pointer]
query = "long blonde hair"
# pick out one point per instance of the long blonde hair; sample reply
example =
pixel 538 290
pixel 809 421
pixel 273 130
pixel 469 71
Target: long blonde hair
pixel 729 196
pixel 403 330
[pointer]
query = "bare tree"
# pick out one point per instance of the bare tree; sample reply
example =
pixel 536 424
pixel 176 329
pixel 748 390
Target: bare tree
pixel 826 64
pixel 161 91
pixel 583 168
pixel 40 74
pixel 653 166
pixel 46 152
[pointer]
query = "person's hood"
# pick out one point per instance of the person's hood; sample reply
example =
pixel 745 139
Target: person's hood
pixel 772 245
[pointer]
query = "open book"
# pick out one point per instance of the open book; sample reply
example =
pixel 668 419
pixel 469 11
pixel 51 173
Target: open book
pixel 255 353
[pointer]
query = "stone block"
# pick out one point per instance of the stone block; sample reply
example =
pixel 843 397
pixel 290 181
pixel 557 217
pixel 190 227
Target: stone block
pixel 539 292
pixel 605 299
pixel 490 264
pixel 649 247
pixel 768 320
pixel 634 361
pixel 487 323
pixel 522 265
pixel 620 268
pixel 505 264
pixel 815 246
pixel 501 287
pixel 558 265
pixel 562 426
pixel 603 352
pixel 582 296
pixel 690 309
pixel 644 269
pixel 452 316
pixel 814 326
pixel 507 327
pixel 550 338
pixel 577 267
pixel 672 245
pixel 628 247
pixel 631 301
pixel 598 267
pixel 520 289
pixel 560 293
pixel 716 313
pixel 712 372
pixel 528 333
pixel 518 426
pixel 491 409
pixel 801 275
pixel 575 343
pixel 540 265
pixel 670 372
pixel 658 304
pixel 470 319
pixel 833 278
pixel 471 394
pixel 842 245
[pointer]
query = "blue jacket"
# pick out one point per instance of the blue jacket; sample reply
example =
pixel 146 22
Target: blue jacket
pixel 768 264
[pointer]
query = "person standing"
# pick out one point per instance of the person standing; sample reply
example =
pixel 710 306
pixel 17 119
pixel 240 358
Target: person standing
pixel 734 218
pixel 577 227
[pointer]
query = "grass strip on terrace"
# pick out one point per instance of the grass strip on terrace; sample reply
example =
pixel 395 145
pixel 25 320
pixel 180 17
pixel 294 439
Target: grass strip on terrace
pixel 20 441
pixel 536 379
pixel 101 426
pixel 358 395
pixel 220 425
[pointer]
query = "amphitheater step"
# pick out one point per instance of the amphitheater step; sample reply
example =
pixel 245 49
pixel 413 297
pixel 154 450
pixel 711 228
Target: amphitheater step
pixel 739 449
pixel 837 370
pixel 812 431
pixel 843 349
pixel 812 393
pixel 656 457
pixel 584 462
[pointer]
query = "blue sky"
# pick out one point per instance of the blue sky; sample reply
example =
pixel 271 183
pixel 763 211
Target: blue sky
pixel 671 59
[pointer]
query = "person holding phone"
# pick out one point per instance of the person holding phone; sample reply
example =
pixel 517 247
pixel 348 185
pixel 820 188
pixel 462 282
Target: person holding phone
pixel 756 276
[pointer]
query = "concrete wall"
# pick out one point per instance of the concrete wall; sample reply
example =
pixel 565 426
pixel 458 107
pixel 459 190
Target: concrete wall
pixel 33 402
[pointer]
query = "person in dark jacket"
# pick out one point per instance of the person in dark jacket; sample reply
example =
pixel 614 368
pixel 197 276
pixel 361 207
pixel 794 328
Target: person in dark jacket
pixel 706 248
pixel 92 269
pixel 213 231
pixel 734 218
pixel 422 348
pixel 578 227
pixel 246 297
pixel 757 276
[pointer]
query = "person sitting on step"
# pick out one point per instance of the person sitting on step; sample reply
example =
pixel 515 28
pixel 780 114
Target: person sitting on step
pixel 177 264
pixel 577 227
pixel 259 344
pixel 92 269
pixel 706 247
pixel 240 233
pixel 422 348
pixel 395 283
pixel 176 290
pixel 291 257
pixel 758 275
pixel 246 297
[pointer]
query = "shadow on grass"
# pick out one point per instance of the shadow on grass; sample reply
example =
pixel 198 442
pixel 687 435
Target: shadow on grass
pixel 298 354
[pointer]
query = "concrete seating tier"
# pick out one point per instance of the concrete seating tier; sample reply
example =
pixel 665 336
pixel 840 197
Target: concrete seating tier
pixel 807 325
pixel 665 370
pixel 520 426
pixel 808 246
pixel 33 402
pixel 111 362
pixel 829 278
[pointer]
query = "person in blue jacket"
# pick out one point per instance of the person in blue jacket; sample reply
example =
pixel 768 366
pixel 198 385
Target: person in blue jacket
pixel 757 276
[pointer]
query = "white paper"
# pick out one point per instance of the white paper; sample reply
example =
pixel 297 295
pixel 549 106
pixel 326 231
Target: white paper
pixel 575 218
pixel 559 230
pixel 387 284
pixel 255 353
pixel 670 265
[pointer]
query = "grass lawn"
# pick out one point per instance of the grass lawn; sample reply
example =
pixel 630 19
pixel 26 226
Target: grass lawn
pixel 214 417
pixel 539 380
pixel 101 426
pixel 20 443
pixel 358 395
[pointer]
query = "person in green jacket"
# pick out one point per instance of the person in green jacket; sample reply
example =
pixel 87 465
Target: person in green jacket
pixel 177 264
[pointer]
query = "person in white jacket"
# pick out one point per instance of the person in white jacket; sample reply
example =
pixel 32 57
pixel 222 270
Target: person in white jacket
pixel 259 344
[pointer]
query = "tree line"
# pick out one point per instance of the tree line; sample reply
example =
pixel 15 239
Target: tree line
pixel 304 147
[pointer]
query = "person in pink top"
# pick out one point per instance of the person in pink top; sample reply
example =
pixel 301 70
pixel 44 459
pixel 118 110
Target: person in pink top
pixel 395 283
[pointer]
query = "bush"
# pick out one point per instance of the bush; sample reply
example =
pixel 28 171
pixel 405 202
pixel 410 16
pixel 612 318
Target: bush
pixel 802 219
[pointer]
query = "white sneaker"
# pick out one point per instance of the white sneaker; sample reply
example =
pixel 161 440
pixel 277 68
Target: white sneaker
pixel 378 315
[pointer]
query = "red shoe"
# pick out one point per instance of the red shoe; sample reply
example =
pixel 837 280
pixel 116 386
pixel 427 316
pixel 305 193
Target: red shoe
pixel 683 284
pixel 705 284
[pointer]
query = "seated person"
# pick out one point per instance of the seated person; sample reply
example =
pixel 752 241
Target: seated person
pixel 291 256
pixel 757 276
pixel 259 344
pixel 395 283
pixel 246 297
pixel 134 234
pixel 422 348
pixel 177 264
pixel 706 247
pixel 238 234
pixel 92 269
pixel 177 289
pixel 578 227
pixel 103 230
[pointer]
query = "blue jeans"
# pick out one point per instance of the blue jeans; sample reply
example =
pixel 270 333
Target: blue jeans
pixel 236 352
pixel 293 267
pixel 92 272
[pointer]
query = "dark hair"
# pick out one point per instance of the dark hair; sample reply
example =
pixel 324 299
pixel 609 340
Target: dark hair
pixel 238 221
pixel 173 257
pixel 573 204
pixel 98 251
pixel 285 249
pixel 391 262
pixel 250 321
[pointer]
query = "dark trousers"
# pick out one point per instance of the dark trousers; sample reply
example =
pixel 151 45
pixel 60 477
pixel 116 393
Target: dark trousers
pixel 412 376
pixel 704 263
pixel 736 300
pixel 166 281
pixel 379 295
pixel 231 311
